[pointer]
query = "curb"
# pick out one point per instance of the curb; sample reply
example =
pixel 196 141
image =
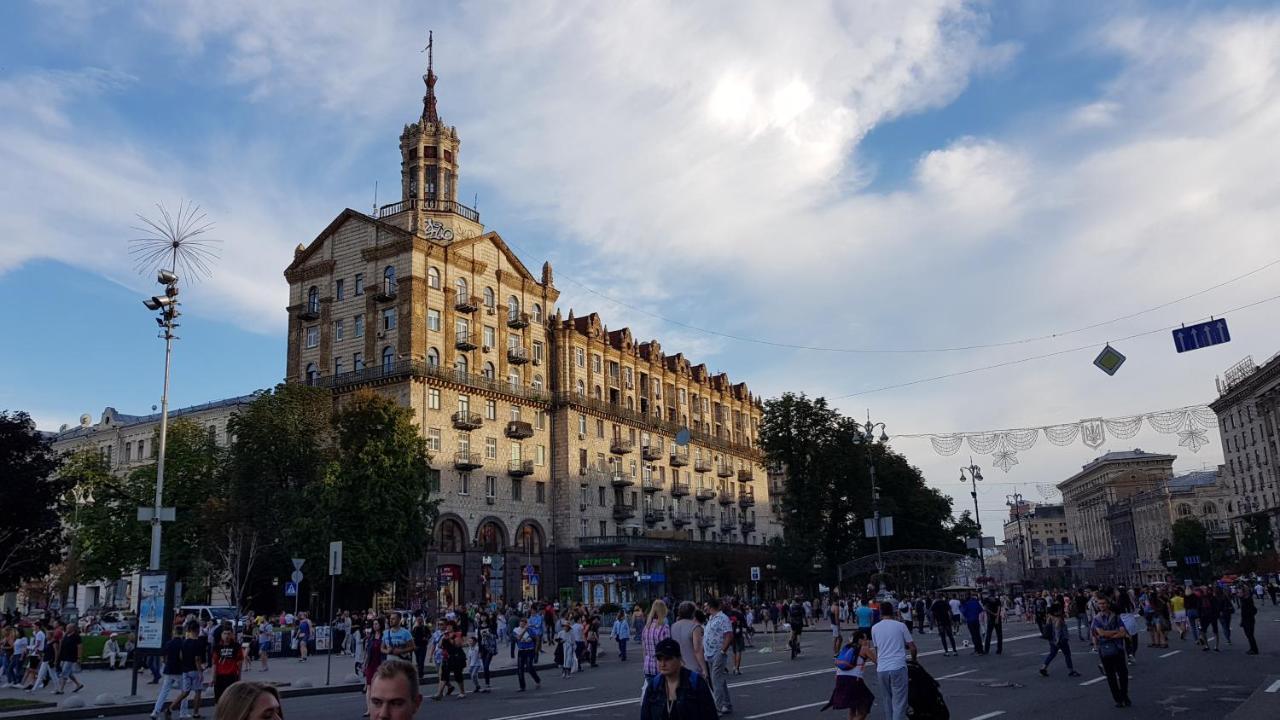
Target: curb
pixel 134 708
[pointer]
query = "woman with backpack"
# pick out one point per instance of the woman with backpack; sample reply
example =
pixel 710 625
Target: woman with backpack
pixel 851 692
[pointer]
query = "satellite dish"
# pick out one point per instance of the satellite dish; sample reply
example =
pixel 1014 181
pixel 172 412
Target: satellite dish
pixel 683 436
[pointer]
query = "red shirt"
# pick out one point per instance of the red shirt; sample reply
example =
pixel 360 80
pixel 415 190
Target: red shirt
pixel 227 659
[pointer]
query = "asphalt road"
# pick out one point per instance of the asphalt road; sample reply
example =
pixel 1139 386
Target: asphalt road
pixel 1179 681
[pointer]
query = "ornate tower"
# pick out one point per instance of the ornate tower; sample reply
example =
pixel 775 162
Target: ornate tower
pixel 429 171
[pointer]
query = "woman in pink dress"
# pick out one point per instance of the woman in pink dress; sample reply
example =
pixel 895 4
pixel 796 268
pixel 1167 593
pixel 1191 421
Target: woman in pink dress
pixel 655 631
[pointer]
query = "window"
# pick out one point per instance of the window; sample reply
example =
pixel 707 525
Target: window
pixel 491 409
pixel 433 357
pixel 313 299
pixel 389 319
pixel 488 371
pixel 433 277
pixel 537 382
pixel 540 457
pixel 460 285
pixel 490 336
pixel 540 419
pixel 600 498
pixel 515 489
pixel 461 364
pixel 464 404
pixel 490 486
pixel 491 448
pixel 604 528
pixel 312 373
pixel 540 492
pixel 599 428
pixel 537 313
pixel 338 330
pixel 461 328
pixel 583 528
pixel 337 365
pixel 582 424
pixel 513 378
pixel 313 336
pixel 389 279
pixel 339 289
pixel 433 320
pixel 357 361
pixel 464 483
pixel 595 363
pixel 537 351
pixel 433 439
pixel 128 451
pixel 580 357
pixel 490 301
pixel 359 284
pixel 388 357
pixel 358 325
pixel 433 398
pixel 582 388
pixel 515 412
pixel 685 398
pixel 142 449
pixel 513 307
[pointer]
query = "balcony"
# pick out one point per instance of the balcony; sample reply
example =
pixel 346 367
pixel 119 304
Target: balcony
pixel 430 205
pixel 623 511
pixel 597 473
pixel 463 420
pixel 310 311
pixel 727 524
pixel 655 421
pixel 519 430
pixel 679 489
pixel 517 355
pixel 387 291
pixel 653 485
pixel 705 494
pixel 651 453
pixel 520 468
pixel 724 471
pixel 517 320
pixel 679 519
pixel 701 466
pixel 620 446
pixel 466 461
pixel 466 341
pixel 620 480
pixel 746 474
pixel 746 498
pixel 401 369
pixel 705 521
pixel 679 457
pixel 653 517
pixel 466 303
pixel 748 526
pixel 726 497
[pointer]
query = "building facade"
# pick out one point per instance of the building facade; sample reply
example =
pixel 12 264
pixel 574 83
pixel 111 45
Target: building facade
pixel 1248 410
pixel 1088 495
pixel 573 460
pixel 1036 538
pixel 1142 524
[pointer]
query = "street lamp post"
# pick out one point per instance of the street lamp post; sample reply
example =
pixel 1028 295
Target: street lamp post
pixel 865 435
pixel 167 307
pixel 975 474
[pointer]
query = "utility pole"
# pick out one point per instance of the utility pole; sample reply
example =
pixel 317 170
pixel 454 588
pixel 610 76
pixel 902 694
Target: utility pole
pixel 865 435
pixel 975 474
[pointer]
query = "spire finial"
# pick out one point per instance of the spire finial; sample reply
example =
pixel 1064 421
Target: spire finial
pixel 429 114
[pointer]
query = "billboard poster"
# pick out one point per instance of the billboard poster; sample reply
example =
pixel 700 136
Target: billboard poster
pixel 153 611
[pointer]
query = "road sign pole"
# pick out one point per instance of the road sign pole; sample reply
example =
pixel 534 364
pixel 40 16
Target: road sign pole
pixel 328 667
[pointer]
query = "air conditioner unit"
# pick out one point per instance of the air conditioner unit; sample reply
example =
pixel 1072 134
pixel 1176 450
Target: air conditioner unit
pixel 382 334
pixel 489 499
pixel 582 436
pixel 536 362
pixel 491 311
pixel 485 348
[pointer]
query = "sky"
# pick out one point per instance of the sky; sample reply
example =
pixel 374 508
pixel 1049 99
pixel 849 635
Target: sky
pixel 739 181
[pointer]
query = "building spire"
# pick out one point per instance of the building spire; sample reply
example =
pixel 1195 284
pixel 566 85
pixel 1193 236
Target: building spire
pixel 429 114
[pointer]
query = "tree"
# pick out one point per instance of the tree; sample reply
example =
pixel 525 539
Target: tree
pixel 108 542
pixel 965 527
pixel 375 497
pixel 1190 539
pixel 31 501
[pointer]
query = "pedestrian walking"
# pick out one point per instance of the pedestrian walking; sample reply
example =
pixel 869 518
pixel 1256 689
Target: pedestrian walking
pixel 1110 634
pixel 397 641
pixel 892 641
pixel 228 656
pixel 266 638
pixel 686 631
pixel 971 610
pixel 1248 618
pixel 421 635
pixel 1226 608
pixel 676 692
pixel 304 636
pixel 194 650
pixel 249 701
pixel 172 676
pixel 621 635
pixel 70 653
pixel 526 645
pixel 941 612
pixel 851 693
pixel 1059 642
pixel 995 623
pixel 565 657
pixel 717 639
pixel 655 630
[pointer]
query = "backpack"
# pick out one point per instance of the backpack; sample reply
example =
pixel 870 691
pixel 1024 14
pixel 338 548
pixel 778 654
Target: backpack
pixel 846 659
pixel 924 695
pixel 656 683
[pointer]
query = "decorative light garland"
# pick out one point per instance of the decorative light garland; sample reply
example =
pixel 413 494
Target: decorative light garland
pixel 1189 423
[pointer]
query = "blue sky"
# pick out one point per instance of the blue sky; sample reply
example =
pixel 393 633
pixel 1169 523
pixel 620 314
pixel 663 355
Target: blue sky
pixel 907 175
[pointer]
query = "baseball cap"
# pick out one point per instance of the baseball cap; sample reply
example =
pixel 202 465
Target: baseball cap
pixel 667 648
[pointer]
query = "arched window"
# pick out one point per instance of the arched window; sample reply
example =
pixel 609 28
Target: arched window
pixel 537 382
pixel 461 364
pixel 1184 510
pixel 461 286
pixel 1209 509
pixel 631 405
pixel 389 279
pixel 313 299
pixel 529 540
pixel 582 388
pixel 388 357
pixel 537 312
pixel 599 395
pixel 433 277
pixel 312 373
pixel 490 300
pixel 450 538
pixel 489 538
pixel 433 357
pixel 489 372
pixel 513 307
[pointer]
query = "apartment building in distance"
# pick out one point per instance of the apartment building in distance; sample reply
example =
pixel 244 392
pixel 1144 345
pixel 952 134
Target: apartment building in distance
pixel 574 460
pixel 1142 523
pixel 1036 538
pixel 1248 410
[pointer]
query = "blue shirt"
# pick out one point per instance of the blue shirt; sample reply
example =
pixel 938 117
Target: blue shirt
pixel 535 624
pixel 395 638
pixel 971 610
pixel 865 616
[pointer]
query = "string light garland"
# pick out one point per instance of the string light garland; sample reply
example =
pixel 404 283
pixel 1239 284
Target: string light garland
pixel 1189 423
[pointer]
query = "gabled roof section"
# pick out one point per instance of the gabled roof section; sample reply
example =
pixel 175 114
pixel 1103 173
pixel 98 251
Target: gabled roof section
pixel 301 258
pixel 496 239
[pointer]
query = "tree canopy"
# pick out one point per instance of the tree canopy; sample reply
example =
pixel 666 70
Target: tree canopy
pixel 31 501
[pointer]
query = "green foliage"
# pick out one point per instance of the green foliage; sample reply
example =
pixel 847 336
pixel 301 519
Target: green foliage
pixel 31 501
pixel 1191 538
pixel 828 492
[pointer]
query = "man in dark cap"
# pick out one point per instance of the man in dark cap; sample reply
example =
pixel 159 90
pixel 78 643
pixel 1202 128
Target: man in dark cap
pixel 676 693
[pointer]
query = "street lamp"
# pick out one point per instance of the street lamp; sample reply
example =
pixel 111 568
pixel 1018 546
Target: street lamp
pixel 167 307
pixel 865 435
pixel 975 474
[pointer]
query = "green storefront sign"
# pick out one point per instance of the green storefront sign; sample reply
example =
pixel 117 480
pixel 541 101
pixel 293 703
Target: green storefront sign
pixel 599 562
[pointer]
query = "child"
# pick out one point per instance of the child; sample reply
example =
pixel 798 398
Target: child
pixel 851 691
pixel 474 663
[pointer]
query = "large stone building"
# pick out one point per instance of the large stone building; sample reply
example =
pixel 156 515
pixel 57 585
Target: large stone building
pixel 1142 523
pixel 1088 496
pixel 1248 410
pixel 1036 538
pixel 573 459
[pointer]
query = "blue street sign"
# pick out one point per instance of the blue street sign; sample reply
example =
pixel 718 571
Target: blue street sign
pixel 1192 559
pixel 533 579
pixel 1203 335
pixel 291 589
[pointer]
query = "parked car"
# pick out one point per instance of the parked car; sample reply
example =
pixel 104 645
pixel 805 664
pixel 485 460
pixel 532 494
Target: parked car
pixel 118 621
pixel 216 613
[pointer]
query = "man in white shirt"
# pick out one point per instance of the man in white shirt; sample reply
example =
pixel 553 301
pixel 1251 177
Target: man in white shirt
pixel 892 640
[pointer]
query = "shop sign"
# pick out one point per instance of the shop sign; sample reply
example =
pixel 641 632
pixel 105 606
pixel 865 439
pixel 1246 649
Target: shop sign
pixel 599 561
pixel 653 577
pixel 609 579
pixel 449 573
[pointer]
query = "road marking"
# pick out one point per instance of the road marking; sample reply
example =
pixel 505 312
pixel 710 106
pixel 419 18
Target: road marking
pixel 953 675
pixel 786 710
pixel 1095 680
pixel 1168 654
pixel 752 665
pixel 562 692
pixel 997 713
pixel 1273 687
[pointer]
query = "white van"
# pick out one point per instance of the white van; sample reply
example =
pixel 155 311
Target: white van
pixel 216 613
